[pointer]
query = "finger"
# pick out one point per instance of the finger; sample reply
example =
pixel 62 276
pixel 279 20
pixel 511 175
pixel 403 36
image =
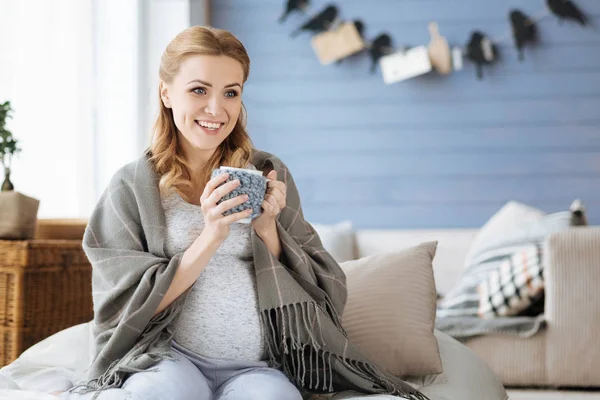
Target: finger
pixel 212 185
pixel 237 216
pixel 278 193
pixel 219 192
pixel 229 204
pixel 275 210
pixel 272 200
pixel 272 204
pixel 272 175
pixel 276 184
pixel 267 207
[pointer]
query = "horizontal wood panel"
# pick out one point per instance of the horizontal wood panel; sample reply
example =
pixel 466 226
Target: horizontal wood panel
pixel 544 60
pixel 550 34
pixel 390 163
pixel 444 140
pixel 469 190
pixel 357 113
pixel 458 88
pixel 415 216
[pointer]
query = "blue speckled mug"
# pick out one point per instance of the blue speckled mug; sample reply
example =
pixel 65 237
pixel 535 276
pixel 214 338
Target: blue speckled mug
pixel 252 183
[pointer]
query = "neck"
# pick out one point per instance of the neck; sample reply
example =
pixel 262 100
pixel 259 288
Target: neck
pixel 197 159
pixel 197 165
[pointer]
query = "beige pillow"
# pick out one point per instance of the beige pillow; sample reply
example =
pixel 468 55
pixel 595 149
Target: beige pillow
pixel 390 311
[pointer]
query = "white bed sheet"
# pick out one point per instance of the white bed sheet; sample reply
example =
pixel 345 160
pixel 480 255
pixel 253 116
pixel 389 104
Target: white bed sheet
pixel 62 359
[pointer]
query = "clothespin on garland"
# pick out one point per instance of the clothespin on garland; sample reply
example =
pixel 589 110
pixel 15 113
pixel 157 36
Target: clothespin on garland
pixel 321 22
pixel 293 6
pixel 334 39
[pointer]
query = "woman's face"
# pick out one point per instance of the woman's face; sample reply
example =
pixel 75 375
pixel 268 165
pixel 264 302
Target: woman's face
pixel 205 97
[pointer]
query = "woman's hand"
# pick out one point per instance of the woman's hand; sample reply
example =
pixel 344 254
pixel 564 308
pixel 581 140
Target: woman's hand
pixel 216 226
pixel 275 200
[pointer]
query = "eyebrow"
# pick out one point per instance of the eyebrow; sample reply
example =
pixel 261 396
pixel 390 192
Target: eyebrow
pixel 209 85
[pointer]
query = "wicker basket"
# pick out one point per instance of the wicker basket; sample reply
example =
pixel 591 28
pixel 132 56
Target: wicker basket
pixel 60 228
pixel 46 287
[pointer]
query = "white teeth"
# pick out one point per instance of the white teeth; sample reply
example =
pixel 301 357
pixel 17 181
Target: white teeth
pixel 210 125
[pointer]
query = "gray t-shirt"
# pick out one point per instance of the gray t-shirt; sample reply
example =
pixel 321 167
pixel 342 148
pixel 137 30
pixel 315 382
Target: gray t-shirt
pixel 220 318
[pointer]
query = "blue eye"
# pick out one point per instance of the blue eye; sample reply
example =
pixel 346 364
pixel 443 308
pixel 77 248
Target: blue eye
pixel 231 94
pixel 202 91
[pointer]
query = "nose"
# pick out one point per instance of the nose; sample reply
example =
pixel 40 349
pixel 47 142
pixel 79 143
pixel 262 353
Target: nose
pixel 214 105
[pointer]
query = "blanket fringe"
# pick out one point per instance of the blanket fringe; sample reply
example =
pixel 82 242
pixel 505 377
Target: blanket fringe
pixel 287 351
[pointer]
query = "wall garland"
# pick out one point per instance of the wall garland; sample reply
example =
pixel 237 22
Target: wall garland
pixel 334 39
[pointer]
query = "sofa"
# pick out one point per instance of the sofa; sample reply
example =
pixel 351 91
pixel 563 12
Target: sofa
pixel 564 353
pixel 61 360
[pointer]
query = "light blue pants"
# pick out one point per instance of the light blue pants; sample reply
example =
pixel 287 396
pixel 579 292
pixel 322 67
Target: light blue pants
pixel 193 377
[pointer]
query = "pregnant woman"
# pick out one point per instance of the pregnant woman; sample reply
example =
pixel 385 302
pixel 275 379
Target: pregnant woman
pixel 190 303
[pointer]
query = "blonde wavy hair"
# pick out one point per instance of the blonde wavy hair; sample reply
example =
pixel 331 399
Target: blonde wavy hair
pixel 165 153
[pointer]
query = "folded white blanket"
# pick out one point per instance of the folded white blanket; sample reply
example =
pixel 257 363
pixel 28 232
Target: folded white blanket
pixel 62 359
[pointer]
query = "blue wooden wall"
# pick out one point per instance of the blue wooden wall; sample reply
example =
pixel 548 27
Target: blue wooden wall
pixel 431 152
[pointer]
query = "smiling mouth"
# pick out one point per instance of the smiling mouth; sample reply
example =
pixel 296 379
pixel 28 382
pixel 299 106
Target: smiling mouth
pixel 210 126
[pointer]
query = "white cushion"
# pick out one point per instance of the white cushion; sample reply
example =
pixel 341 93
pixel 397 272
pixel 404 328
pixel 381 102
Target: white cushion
pixel 453 245
pixel 511 215
pixel 337 239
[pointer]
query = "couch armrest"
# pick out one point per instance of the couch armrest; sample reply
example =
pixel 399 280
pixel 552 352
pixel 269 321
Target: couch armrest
pixel 572 306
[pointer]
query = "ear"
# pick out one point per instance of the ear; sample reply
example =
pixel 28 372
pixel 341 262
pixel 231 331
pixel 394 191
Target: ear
pixel 164 94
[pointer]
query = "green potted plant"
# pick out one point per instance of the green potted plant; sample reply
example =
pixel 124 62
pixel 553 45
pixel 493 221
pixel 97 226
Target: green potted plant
pixel 18 213
pixel 8 145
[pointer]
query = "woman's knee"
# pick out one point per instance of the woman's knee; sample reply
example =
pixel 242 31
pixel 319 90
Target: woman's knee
pixel 172 380
pixel 263 384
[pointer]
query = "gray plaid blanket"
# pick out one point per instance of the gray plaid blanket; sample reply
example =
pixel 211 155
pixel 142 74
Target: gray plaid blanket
pixel 301 296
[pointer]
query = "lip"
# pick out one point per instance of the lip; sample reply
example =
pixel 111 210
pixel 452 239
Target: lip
pixel 208 131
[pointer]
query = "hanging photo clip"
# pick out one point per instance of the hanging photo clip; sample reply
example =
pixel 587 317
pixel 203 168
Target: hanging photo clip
pixel 321 22
pixel 523 31
pixel 567 10
pixel 481 51
pixel 379 47
pixel 404 65
pixel 338 43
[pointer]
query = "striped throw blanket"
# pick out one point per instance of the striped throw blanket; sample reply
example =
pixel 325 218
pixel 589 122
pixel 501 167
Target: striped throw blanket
pixel 501 289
